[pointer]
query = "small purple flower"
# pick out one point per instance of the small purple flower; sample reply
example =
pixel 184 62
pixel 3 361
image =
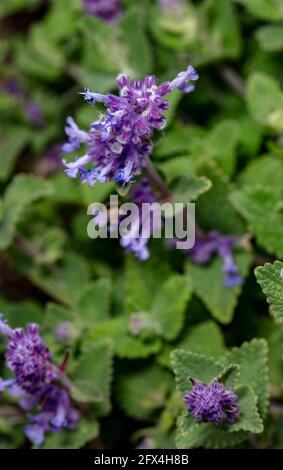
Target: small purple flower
pixel 13 88
pixel 75 135
pixel 36 383
pixel 34 113
pixel 120 141
pixel 144 224
pixel 212 403
pixel 6 384
pixel 147 443
pixel 63 332
pixel 222 245
pixel 107 10
pixel 141 323
pixel 50 161
pixel 183 79
pixel 135 224
pixel 56 413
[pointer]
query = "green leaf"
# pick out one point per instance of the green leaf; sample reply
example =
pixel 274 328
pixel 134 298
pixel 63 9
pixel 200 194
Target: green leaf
pixel 73 439
pixel 176 29
pixel 249 419
pixel 220 144
pixel 56 314
pixel 65 281
pixel 224 36
pixel 267 171
pixel 265 100
pixel 19 314
pixel 188 365
pixel 229 376
pixel 275 362
pixel 141 392
pixel 170 303
pixel 250 135
pixel 109 60
pixel 177 167
pixel 225 220
pixel 209 287
pixel 92 377
pixel 139 53
pixel 22 192
pixel 189 188
pixel 261 208
pixel 66 190
pixel 9 7
pixel 194 339
pixel 264 9
pixel 124 343
pixel 191 434
pixel 14 142
pixel 271 282
pixel 93 306
pixel 252 359
pixel 142 280
pixel 270 38
pixel 178 140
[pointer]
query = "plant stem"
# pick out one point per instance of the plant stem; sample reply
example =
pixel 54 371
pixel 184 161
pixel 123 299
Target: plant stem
pixel 157 180
pixel 233 79
pixel 28 248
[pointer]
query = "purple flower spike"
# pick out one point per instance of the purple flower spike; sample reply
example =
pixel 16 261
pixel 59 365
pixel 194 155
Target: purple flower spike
pixel 212 403
pixel 29 358
pixel 107 10
pixel 37 383
pixel 120 141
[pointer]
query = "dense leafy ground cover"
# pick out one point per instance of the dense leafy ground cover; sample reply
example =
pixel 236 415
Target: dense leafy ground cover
pixel 129 334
